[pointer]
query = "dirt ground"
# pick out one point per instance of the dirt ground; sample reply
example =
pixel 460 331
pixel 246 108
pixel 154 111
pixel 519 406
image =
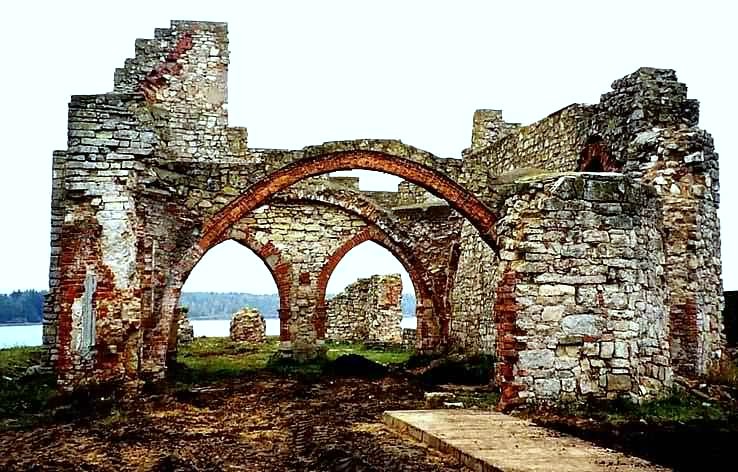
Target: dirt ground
pixel 263 423
pixel 269 422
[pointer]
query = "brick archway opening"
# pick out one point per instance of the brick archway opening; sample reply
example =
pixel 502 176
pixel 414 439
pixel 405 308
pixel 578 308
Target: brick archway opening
pixel 424 309
pixel 434 181
pixel 268 253
pixel 596 157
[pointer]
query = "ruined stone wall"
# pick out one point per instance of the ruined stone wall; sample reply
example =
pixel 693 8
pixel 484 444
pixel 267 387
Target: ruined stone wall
pixel 95 265
pixel 646 127
pixel 367 310
pixel 473 329
pixel 581 307
pixel 182 74
pixel 407 194
pixel 658 135
pixel 153 177
pixel 185 331
pixel 552 144
pixel 248 325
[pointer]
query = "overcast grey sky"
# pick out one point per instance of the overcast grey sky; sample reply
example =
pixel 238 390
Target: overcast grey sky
pixel 304 72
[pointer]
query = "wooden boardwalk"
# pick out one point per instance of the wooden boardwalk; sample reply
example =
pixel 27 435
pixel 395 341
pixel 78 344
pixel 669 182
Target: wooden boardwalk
pixel 489 441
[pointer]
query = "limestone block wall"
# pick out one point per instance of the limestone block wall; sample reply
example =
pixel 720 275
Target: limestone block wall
pixel 581 307
pixel 473 329
pixel 182 74
pixel 367 310
pixel 552 144
pixel 647 128
pixel 664 147
pixel 94 282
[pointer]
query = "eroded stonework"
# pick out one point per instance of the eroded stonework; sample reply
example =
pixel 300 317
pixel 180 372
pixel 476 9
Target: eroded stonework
pixel 367 310
pixel 582 250
pixel 185 330
pixel 247 325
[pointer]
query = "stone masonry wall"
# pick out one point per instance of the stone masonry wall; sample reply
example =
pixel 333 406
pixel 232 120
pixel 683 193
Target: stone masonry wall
pixel 583 263
pixel 153 177
pixel 646 127
pixel 473 329
pixel 367 310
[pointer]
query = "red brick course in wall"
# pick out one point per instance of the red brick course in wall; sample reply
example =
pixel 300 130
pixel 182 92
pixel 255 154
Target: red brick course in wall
pixel 685 331
pixel 80 253
pixel 505 316
pixel 156 78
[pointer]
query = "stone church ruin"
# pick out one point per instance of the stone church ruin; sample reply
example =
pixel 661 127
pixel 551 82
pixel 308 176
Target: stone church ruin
pixel 582 250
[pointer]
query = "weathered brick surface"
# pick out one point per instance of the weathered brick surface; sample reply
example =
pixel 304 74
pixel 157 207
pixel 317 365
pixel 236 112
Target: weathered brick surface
pixel 507 256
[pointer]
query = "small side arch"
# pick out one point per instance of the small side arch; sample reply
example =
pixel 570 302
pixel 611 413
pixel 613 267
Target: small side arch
pixel 596 157
pixel 428 329
pixel 278 266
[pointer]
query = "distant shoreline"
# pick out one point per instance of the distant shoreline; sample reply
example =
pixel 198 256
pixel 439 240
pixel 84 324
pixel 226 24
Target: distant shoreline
pixel 19 324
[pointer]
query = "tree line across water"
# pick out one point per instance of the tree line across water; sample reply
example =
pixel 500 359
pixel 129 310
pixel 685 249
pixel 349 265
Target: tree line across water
pixel 210 305
pixel 27 306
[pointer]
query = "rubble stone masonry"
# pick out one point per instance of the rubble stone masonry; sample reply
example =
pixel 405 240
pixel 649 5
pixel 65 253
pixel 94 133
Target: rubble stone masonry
pixel 248 325
pixel 367 310
pixel 582 250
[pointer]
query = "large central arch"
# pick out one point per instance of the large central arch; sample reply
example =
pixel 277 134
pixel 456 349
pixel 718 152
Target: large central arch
pixel 324 159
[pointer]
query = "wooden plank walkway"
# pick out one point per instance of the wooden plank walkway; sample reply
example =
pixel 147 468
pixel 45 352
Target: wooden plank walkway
pixel 487 441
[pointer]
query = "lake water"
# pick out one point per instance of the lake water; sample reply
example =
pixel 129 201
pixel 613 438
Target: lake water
pixel 30 335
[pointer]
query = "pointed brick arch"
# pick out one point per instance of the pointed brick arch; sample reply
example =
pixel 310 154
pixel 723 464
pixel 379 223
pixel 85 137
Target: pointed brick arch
pixel 269 254
pixel 413 170
pixel 424 308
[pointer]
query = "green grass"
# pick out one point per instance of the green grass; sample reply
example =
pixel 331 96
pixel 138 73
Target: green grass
pixel 15 360
pixel 677 407
pixel 20 394
pixel 384 357
pixel 478 399
pixel 211 359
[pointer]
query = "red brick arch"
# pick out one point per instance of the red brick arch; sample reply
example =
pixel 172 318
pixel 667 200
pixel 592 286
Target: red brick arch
pixel 419 173
pixel 370 233
pixel 278 266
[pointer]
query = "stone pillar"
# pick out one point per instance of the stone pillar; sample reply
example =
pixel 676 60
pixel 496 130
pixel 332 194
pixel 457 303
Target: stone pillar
pixel 580 307
pixel 651 126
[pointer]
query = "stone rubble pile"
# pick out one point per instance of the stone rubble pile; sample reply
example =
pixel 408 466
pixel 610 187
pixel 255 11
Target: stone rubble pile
pixel 367 310
pixel 247 325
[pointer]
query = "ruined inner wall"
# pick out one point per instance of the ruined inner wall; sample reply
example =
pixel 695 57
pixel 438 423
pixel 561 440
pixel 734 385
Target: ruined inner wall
pixel 647 128
pixel 473 329
pixel 367 310
pixel 580 309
